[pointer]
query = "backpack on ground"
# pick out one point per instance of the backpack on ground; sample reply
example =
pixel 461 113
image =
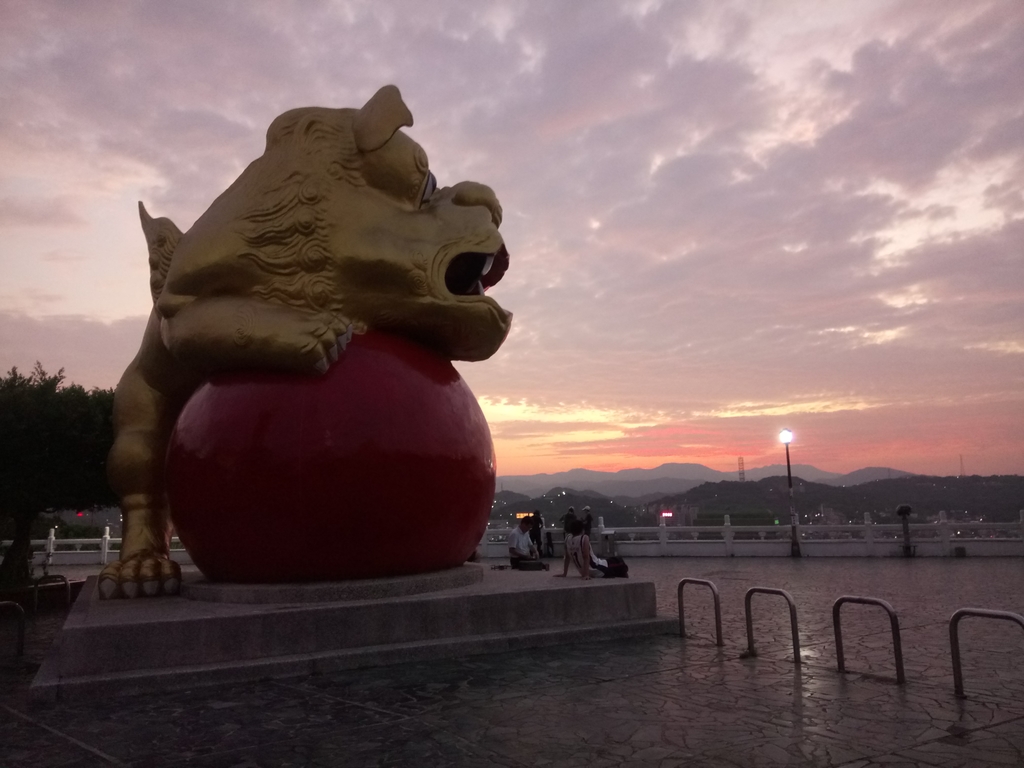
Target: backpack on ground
pixel 531 565
pixel 617 568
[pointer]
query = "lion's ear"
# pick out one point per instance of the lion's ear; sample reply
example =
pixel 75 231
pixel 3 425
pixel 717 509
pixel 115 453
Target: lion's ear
pixel 162 238
pixel 379 118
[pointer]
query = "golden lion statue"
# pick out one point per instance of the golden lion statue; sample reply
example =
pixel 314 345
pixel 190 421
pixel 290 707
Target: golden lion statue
pixel 339 227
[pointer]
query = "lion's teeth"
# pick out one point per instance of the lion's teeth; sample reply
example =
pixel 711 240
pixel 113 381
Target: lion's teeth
pixel 487 265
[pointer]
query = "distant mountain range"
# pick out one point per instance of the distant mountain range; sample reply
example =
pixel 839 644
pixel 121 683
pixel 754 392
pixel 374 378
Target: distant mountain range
pixel 995 498
pixel 650 484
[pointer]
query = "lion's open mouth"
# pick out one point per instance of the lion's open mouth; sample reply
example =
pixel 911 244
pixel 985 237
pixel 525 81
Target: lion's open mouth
pixel 470 274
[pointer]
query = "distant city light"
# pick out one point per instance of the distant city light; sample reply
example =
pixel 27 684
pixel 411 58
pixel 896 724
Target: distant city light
pixel 786 436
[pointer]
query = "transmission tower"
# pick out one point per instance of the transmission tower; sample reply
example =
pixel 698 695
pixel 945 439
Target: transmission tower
pixel 743 475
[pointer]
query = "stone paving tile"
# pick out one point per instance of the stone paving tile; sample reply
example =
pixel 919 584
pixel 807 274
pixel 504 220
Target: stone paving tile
pixel 999 745
pixel 16 673
pixel 24 745
pixel 408 743
pixel 728 701
pixel 831 707
pixel 993 661
pixel 780 750
pixel 647 702
pixel 210 721
pixel 992 658
pixel 574 727
pixel 632 721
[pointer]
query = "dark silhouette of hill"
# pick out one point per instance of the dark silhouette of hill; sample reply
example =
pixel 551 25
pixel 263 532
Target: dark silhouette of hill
pixel 509 497
pixel 869 474
pixel 998 498
pixel 556 502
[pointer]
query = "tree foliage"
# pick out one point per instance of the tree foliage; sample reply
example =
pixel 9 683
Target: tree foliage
pixel 54 440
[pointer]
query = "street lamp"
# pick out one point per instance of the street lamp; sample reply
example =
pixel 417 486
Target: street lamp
pixel 786 437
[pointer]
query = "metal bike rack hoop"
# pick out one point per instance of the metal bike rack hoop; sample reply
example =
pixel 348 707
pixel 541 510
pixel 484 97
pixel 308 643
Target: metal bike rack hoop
pixel 897 646
pixel 4 605
pixel 792 618
pixel 54 579
pixel 954 637
pixel 718 607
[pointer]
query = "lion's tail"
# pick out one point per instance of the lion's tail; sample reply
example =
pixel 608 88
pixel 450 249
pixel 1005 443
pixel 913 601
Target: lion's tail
pixel 162 236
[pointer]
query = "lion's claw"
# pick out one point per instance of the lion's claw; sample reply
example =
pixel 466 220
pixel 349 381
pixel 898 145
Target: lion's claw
pixel 334 351
pixel 144 575
pixel 107 587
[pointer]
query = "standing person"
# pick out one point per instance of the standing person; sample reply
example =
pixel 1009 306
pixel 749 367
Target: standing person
pixel 567 520
pixel 589 565
pixel 588 521
pixel 520 545
pixel 536 529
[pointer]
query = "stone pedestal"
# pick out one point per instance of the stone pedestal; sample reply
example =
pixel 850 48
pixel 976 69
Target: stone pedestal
pixel 221 633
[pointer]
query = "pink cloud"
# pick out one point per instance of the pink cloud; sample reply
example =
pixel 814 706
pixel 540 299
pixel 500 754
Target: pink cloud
pixel 689 228
pixel 55 213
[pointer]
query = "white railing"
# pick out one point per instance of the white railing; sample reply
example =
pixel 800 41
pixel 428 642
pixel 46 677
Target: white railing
pixel 940 539
pixel 53 551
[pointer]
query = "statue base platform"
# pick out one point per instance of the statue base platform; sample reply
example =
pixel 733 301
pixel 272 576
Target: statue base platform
pixel 228 633
pixel 331 591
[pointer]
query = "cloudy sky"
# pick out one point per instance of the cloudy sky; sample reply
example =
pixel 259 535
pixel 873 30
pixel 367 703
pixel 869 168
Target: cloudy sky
pixel 724 218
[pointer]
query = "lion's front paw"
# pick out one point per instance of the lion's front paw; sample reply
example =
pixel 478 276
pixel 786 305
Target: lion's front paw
pixel 144 574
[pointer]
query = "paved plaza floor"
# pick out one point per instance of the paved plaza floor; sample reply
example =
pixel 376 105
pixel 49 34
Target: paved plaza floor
pixel 659 701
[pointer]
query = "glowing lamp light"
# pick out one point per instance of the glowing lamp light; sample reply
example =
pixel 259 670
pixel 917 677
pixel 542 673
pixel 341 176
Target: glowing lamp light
pixel 666 513
pixel 786 437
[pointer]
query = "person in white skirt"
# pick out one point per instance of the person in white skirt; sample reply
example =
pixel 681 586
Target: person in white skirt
pixel 579 552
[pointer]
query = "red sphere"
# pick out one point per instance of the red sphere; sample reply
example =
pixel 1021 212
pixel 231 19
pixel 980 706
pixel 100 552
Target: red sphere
pixel 382 466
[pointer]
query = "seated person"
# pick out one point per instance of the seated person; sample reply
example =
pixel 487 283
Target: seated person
pixel 578 550
pixel 520 545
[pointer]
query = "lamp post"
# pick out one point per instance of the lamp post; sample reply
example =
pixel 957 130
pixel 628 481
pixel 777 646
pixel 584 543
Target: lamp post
pixel 786 437
pixel 904 510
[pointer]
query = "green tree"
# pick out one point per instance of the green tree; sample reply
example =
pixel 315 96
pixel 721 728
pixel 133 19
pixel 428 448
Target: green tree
pixel 54 439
